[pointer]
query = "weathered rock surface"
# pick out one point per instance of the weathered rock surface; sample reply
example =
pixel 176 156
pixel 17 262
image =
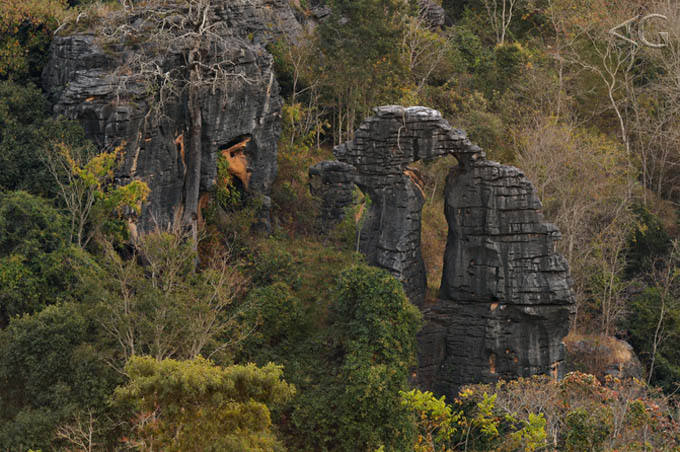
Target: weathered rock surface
pixel 505 300
pixel 259 20
pixel 434 14
pixel 84 80
pixel 333 183
pixel 380 153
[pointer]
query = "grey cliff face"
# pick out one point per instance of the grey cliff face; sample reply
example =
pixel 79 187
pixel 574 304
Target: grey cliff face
pixel 86 83
pixel 505 300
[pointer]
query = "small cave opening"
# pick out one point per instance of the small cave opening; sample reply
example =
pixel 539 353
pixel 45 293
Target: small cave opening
pixel 232 177
pixel 234 159
pixel 233 173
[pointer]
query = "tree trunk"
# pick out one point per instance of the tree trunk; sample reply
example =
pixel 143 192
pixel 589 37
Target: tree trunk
pixel 193 157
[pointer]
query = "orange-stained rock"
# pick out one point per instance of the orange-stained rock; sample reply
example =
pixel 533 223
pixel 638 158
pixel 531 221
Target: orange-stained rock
pixel 238 162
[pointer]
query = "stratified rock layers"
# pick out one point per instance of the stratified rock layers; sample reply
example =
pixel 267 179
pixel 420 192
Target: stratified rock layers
pixel 505 300
pixel 333 183
pixel 86 80
pixel 380 153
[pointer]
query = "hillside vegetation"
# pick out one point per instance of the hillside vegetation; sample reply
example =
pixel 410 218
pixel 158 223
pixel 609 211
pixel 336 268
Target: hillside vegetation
pixel 225 338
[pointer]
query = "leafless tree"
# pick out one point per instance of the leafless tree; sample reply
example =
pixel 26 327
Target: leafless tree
pixel 165 309
pixel 595 217
pixel 78 195
pixel 500 13
pixel 665 276
pixel 654 107
pixel 80 434
pixel 192 32
pixel 425 49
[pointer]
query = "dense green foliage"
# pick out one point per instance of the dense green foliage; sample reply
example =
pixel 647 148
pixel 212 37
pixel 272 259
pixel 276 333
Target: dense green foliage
pixel 371 343
pixel 26 28
pixel 116 339
pixel 197 406
pixel 645 320
pixel 648 243
pixel 38 266
pixel 26 131
pixel 49 372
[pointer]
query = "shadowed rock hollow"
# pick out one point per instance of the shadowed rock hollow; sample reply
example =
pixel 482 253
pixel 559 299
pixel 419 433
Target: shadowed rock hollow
pixel 505 300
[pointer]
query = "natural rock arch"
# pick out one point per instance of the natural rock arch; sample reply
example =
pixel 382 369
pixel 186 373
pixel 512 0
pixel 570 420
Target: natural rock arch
pixel 505 300
pixel 377 161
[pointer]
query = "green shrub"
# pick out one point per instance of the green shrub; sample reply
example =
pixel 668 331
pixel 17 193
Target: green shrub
pixel 354 404
pixel 279 323
pixel 648 242
pixel 48 371
pixel 26 30
pixel 588 430
pixel 38 267
pixel 201 406
pixel 26 131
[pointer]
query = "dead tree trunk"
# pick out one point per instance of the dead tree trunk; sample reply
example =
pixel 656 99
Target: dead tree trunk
pixel 192 182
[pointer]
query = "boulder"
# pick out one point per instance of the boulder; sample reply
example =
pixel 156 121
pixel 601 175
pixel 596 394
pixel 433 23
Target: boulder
pixel 432 13
pixel 602 356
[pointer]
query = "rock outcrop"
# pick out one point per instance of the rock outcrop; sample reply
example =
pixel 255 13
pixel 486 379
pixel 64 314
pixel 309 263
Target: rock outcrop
pixel 333 183
pixel 378 163
pixel 433 14
pixel 602 356
pixel 86 83
pixel 505 300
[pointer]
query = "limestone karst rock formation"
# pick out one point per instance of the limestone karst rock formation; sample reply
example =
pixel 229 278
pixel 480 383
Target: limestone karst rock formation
pixel 377 162
pixel 86 80
pixel 333 183
pixel 433 13
pixel 505 300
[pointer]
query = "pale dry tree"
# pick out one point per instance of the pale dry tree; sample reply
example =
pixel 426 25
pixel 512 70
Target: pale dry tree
pixel 500 14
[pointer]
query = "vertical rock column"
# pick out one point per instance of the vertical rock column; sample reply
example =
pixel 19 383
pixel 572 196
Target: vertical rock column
pixel 333 183
pixel 505 300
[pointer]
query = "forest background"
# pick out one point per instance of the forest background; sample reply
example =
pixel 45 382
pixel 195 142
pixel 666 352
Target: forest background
pixel 235 340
